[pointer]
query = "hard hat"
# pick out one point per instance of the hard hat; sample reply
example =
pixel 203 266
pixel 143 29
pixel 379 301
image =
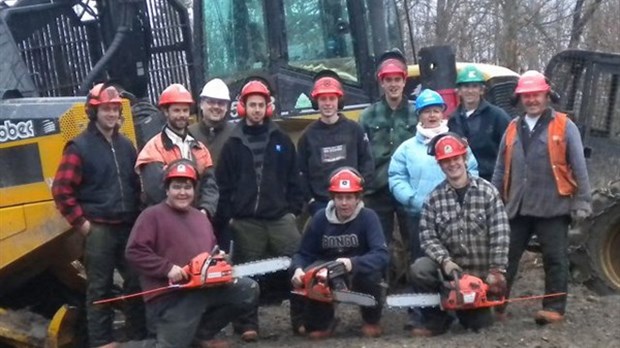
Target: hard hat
pixel 427 98
pixel 326 82
pixel 97 96
pixel 449 146
pixel 255 87
pixel 182 168
pixel 532 81
pixel 216 89
pixel 346 180
pixel 175 94
pixel 469 74
pixel 392 66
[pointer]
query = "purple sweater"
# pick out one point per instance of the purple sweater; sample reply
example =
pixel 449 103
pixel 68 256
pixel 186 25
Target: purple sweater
pixel 163 237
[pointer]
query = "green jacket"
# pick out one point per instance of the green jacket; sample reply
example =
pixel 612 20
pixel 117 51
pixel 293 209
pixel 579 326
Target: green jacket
pixel 386 129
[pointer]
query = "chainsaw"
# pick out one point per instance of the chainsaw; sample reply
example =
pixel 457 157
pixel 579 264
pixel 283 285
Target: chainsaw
pixel 327 283
pixel 464 292
pixel 213 269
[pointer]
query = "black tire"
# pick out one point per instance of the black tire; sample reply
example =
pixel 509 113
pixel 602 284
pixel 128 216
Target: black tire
pixel 598 258
pixel 147 121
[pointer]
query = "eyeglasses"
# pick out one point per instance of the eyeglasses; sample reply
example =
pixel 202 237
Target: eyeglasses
pixel 218 102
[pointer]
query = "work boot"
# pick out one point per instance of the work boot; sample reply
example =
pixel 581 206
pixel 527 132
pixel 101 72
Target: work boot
pixel 423 332
pixel 323 334
pixel 544 317
pixel 371 330
pixel 214 343
pixel 249 336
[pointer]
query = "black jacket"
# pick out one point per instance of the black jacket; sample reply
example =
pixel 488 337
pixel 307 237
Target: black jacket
pixel 241 194
pixel 324 148
pixel 484 130
pixel 110 188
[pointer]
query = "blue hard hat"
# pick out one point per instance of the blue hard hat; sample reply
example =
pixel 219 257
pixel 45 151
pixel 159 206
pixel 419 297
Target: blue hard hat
pixel 428 97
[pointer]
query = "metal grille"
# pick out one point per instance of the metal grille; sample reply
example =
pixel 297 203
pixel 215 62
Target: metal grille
pixel 588 84
pixel 57 55
pixel 170 51
pixel 74 121
pixel 500 94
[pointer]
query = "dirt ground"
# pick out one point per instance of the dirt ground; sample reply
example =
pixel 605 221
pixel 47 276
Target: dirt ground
pixel 591 321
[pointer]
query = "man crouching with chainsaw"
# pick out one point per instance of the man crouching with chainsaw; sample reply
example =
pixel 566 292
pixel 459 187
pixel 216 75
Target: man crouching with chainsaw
pixel 463 230
pixel 166 237
pixel 350 236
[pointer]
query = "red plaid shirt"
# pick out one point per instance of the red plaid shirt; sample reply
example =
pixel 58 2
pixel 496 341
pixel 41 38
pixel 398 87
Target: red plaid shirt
pixel 68 179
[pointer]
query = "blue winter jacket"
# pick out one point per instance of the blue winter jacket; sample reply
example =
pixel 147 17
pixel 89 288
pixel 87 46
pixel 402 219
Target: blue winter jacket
pixel 413 173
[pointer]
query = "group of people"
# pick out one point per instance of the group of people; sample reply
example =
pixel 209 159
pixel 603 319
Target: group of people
pixel 468 191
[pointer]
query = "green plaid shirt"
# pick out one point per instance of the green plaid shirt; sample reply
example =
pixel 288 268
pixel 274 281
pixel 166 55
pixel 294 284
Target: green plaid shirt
pixel 475 235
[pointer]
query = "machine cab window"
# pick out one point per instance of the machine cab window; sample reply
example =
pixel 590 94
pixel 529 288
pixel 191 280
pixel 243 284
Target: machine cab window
pixel 236 36
pixel 318 37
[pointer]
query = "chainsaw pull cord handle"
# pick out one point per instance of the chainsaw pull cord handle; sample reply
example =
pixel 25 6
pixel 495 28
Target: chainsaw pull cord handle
pixel 205 267
pixel 457 287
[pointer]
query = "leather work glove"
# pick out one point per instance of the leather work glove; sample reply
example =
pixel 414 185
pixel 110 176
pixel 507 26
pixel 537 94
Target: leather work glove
pixel 579 215
pixel 347 263
pixel 297 279
pixel 176 274
pixel 450 266
pixel 497 283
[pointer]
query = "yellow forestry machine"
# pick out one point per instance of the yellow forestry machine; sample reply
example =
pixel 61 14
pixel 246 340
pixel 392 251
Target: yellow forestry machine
pixel 53 51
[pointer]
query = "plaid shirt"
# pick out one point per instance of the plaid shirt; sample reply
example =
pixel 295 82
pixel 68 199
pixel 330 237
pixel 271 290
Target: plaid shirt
pixel 475 235
pixel 68 179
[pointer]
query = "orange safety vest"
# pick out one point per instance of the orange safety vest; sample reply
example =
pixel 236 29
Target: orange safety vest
pixel 155 151
pixel 564 178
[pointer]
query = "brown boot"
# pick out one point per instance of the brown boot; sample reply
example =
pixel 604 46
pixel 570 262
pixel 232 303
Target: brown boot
pixel 548 317
pixel 214 343
pixel 371 330
pixel 249 336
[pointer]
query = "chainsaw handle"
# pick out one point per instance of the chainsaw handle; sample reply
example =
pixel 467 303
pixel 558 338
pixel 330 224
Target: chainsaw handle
pixel 457 287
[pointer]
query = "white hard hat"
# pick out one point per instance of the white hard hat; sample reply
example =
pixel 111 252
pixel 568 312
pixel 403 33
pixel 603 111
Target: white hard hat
pixel 216 89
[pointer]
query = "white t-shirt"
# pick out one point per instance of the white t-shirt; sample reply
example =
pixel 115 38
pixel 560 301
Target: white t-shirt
pixel 531 121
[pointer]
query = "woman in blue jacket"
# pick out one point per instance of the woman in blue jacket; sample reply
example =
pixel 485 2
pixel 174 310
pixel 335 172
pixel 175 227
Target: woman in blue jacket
pixel 413 173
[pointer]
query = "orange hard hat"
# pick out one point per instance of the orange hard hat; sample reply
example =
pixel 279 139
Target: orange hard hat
pixel 346 180
pixel 175 94
pixel 109 95
pixel 327 82
pixel 532 81
pixel 392 66
pixel 182 168
pixel 449 146
pixel 255 87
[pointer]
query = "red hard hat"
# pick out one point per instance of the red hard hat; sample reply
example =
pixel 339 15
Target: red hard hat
pixel 449 146
pixel 346 180
pixel 181 169
pixel 109 95
pixel 175 94
pixel 326 85
pixel 532 81
pixel 255 87
pixel 392 66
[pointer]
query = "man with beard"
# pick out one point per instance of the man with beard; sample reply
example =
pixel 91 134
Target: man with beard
pixel 541 172
pixel 172 143
pixel 330 142
pixel 387 124
pixel 463 228
pixel 478 121
pixel 260 194
pixel 214 129
pixel 98 192
pixel 346 232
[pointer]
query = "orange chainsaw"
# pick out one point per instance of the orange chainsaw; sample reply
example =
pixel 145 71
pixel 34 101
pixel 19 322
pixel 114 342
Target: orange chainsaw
pixel 327 283
pixel 213 269
pixel 464 292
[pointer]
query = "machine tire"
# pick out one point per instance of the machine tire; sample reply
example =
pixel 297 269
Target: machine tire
pixel 147 120
pixel 597 260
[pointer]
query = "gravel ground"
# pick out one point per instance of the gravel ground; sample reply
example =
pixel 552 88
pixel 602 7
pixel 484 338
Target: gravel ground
pixel 591 321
